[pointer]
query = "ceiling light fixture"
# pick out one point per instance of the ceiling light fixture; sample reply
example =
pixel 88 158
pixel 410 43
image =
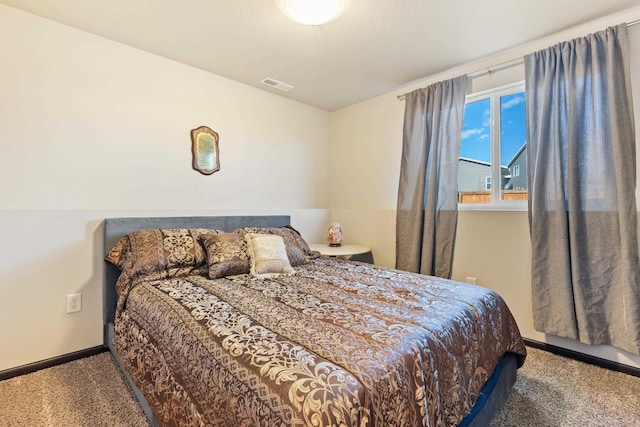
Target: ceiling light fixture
pixel 312 12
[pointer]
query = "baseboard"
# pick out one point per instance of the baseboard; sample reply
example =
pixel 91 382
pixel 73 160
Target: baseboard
pixel 48 363
pixel 586 358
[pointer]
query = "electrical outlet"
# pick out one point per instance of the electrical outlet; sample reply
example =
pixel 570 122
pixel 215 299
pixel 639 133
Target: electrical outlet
pixel 74 303
pixel 471 280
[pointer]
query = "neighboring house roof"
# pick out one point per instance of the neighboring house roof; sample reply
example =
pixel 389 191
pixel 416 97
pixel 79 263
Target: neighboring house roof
pixel 480 162
pixel 518 153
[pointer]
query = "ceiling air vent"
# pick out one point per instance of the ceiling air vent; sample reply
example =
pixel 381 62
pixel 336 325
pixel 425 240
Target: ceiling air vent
pixel 276 84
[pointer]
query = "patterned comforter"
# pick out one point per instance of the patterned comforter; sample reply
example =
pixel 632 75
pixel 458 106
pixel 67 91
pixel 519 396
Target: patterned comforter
pixel 337 344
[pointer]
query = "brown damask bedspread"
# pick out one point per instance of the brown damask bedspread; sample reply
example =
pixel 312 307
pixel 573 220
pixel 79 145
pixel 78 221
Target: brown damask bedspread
pixel 337 344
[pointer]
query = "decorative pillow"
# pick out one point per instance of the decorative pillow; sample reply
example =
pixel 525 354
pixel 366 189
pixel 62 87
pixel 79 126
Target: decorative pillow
pixel 268 255
pixel 298 250
pixel 160 253
pixel 118 253
pixel 227 254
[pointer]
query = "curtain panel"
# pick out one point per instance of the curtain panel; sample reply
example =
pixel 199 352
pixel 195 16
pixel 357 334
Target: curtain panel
pixel 427 210
pixel 582 176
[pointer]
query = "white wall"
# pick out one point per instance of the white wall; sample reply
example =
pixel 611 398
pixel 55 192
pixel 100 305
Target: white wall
pixel 366 148
pixel 90 128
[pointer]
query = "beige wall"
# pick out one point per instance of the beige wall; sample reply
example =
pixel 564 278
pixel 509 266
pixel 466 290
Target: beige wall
pixel 492 246
pixel 90 128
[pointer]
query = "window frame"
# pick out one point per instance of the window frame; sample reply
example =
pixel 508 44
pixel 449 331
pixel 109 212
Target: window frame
pixel 496 203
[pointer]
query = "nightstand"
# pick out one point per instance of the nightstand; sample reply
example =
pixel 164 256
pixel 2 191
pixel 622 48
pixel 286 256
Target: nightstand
pixel 352 252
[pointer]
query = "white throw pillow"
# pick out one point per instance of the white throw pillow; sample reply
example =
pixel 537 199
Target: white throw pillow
pixel 268 255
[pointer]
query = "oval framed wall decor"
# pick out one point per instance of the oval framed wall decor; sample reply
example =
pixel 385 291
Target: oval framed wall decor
pixel 205 150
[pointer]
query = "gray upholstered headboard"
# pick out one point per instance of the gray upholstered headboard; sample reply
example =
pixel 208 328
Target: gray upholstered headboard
pixel 116 228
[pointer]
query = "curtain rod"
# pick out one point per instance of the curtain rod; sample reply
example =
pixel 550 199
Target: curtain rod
pixel 507 64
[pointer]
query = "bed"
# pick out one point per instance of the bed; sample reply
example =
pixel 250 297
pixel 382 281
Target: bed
pixel 309 341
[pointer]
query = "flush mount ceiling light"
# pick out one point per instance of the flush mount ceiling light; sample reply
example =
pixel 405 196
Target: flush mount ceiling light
pixel 312 12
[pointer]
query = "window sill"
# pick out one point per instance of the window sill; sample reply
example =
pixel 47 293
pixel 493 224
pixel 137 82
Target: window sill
pixel 509 207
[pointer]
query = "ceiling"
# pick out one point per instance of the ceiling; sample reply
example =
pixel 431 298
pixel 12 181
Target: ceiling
pixel 375 47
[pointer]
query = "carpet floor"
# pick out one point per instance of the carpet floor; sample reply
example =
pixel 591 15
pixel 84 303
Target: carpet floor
pixel 550 391
pixel 555 391
pixel 85 392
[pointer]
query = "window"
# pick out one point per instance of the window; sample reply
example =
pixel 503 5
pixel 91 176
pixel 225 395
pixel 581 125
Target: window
pixel 493 149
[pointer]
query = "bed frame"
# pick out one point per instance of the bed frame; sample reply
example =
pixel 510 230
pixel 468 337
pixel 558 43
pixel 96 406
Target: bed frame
pixel 493 393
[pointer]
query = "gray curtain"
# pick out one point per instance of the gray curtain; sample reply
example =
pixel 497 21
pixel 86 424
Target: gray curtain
pixel 582 177
pixel 427 196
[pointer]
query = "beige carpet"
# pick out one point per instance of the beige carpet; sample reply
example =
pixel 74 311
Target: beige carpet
pixel 556 391
pixel 550 391
pixel 85 392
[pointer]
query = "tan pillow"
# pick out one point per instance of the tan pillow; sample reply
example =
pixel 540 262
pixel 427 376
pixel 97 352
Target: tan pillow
pixel 227 254
pixel 268 255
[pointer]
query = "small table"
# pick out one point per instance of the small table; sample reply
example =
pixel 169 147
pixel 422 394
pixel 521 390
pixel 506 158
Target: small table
pixel 352 252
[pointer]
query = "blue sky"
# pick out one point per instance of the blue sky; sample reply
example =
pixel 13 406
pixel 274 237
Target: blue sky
pixel 476 131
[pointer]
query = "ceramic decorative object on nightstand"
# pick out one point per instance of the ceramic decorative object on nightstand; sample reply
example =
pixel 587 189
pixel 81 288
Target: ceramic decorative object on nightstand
pixel 334 234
